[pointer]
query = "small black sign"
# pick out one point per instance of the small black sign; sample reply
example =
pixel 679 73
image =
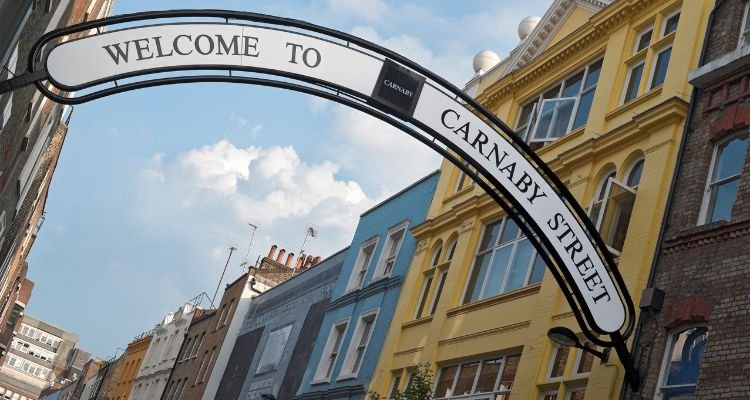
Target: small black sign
pixel 398 88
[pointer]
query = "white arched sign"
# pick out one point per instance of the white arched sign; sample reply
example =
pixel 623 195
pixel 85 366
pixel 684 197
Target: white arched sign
pixel 388 85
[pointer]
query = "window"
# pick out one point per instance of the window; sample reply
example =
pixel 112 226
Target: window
pixel 2 224
pixel 390 251
pixel 651 54
pixel 563 108
pixel 549 395
pixel 634 82
pixel 576 394
pixel 505 260
pixel 724 179
pixel 358 346
pixel 584 360
pixel 436 256
pixel 612 206
pixel 423 297
pixel 451 250
pixel 682 362
pixel 185 350
pixel 362 264
pixel 331 351
pixel 745 32
pixel 274 349
pixel 394 385
pixel 229 313
pixel 477 379
pixel 208 366
pixel 557 362
pixel 221 316
pixel 197 344
pixel 438 291
pixel 463 180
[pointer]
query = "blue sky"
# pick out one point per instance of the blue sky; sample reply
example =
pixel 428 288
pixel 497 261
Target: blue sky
pixel 154 186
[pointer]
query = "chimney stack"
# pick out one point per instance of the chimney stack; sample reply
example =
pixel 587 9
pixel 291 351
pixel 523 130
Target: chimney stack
pixel 280 257
pixel 289 259
pixel 272 252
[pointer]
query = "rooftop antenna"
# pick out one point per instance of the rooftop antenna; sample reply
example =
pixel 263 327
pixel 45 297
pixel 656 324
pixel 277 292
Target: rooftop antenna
pixel 311 231
pixel 231 250
pixel 244 263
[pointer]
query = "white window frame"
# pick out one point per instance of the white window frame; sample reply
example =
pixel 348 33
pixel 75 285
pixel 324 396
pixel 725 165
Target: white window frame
pixel 3 225
pixel 665 19
pixel 667 355
pixel 553 357
pixel 579 358
pixel 451 250
pixel 435 299
pixel 627 82
pixel 706 203
pixel 543 395
pixel 328 350
pixel 462 178
pixel 384 258
pixel 478 396
pixel 434 260
pixel 354 343
pixel 395 382
pixel 745 29
pixel 655 60
pixel 358 263
pixel 571 391
pixel 638 37
pixel 422 301
pixel 611 181
pixel 547 138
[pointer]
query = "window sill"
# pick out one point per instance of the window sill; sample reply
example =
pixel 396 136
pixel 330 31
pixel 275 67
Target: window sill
pixel 499 299
pixel 664 42
pixel 319 381
pixel 417 322
pixel 346 377
pixel 451 197
pixel 379 278
pixel 636 58
pixel 629 106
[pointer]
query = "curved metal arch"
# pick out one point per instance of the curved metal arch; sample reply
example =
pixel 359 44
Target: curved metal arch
pixel 512 208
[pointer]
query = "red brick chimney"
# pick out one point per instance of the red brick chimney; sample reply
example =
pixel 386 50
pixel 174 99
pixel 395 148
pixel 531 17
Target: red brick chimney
pixel 289 259
pixel 300 261
pixel 280 257
pixel 309 261
pixel 316 260
pixel 272 252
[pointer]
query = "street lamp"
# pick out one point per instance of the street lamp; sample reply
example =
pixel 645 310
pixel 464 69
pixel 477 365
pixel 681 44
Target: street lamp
pixel 566 338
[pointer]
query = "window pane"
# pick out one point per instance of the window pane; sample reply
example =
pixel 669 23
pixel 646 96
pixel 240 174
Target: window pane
pixel 586 362
pixel 558 364
pixel 593 75
pixel 438 292
pixel 671 24
pixel 562 118
pixel 445 382
pixel 573 85
pixel 660 71
pixel 488 376
pixel 509 372
pixel 489 238
pixel 644 40
pixel 731 158
pixel 526 113
pixel 537 271
pixel 634 82
pixel 510 231
pixel 423 297
pixel 476 280
pixel 724 196
pixel 451 250
pixel 466 379
pixel 394 387
pixel 497 272
pixel 687 354
pixel 520 266
pixel 616 217
pixel 634 177
pixel 584 107
pixel 577 395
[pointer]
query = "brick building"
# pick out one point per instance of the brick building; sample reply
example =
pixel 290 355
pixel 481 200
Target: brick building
pixel 32 131
pixel 694 344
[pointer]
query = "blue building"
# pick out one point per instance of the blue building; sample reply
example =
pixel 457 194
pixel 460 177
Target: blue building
pixel 365 296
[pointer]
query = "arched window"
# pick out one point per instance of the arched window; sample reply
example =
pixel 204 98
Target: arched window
pixel 436 255
pixel 724 179
pixel 613 203
pixel 682 363
pixel 633 177
pixel 601 191
pixel 451 249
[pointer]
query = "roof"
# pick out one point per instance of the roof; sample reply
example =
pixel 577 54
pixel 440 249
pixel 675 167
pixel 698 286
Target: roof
pixel 402 191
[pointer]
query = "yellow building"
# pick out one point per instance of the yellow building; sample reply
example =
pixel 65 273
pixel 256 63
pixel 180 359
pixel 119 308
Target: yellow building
pixel 601 92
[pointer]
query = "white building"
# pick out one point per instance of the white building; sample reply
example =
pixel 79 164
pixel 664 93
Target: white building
pixel 161 354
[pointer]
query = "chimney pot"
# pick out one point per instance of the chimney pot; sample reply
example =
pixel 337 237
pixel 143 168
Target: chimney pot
pixel 280 257
pixel 300 261
pixel 289 259
pixel 272 252
pixel 308 261
pixel 316 260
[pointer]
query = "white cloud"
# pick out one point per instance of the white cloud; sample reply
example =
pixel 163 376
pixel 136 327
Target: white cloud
pixel 244 123
pixel 220 187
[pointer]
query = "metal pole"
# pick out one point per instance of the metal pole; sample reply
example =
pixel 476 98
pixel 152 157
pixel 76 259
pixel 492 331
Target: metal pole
pixel 631 374
pixel 231 250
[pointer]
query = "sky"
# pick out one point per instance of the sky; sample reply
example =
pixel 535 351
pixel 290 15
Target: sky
pixel 154 186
